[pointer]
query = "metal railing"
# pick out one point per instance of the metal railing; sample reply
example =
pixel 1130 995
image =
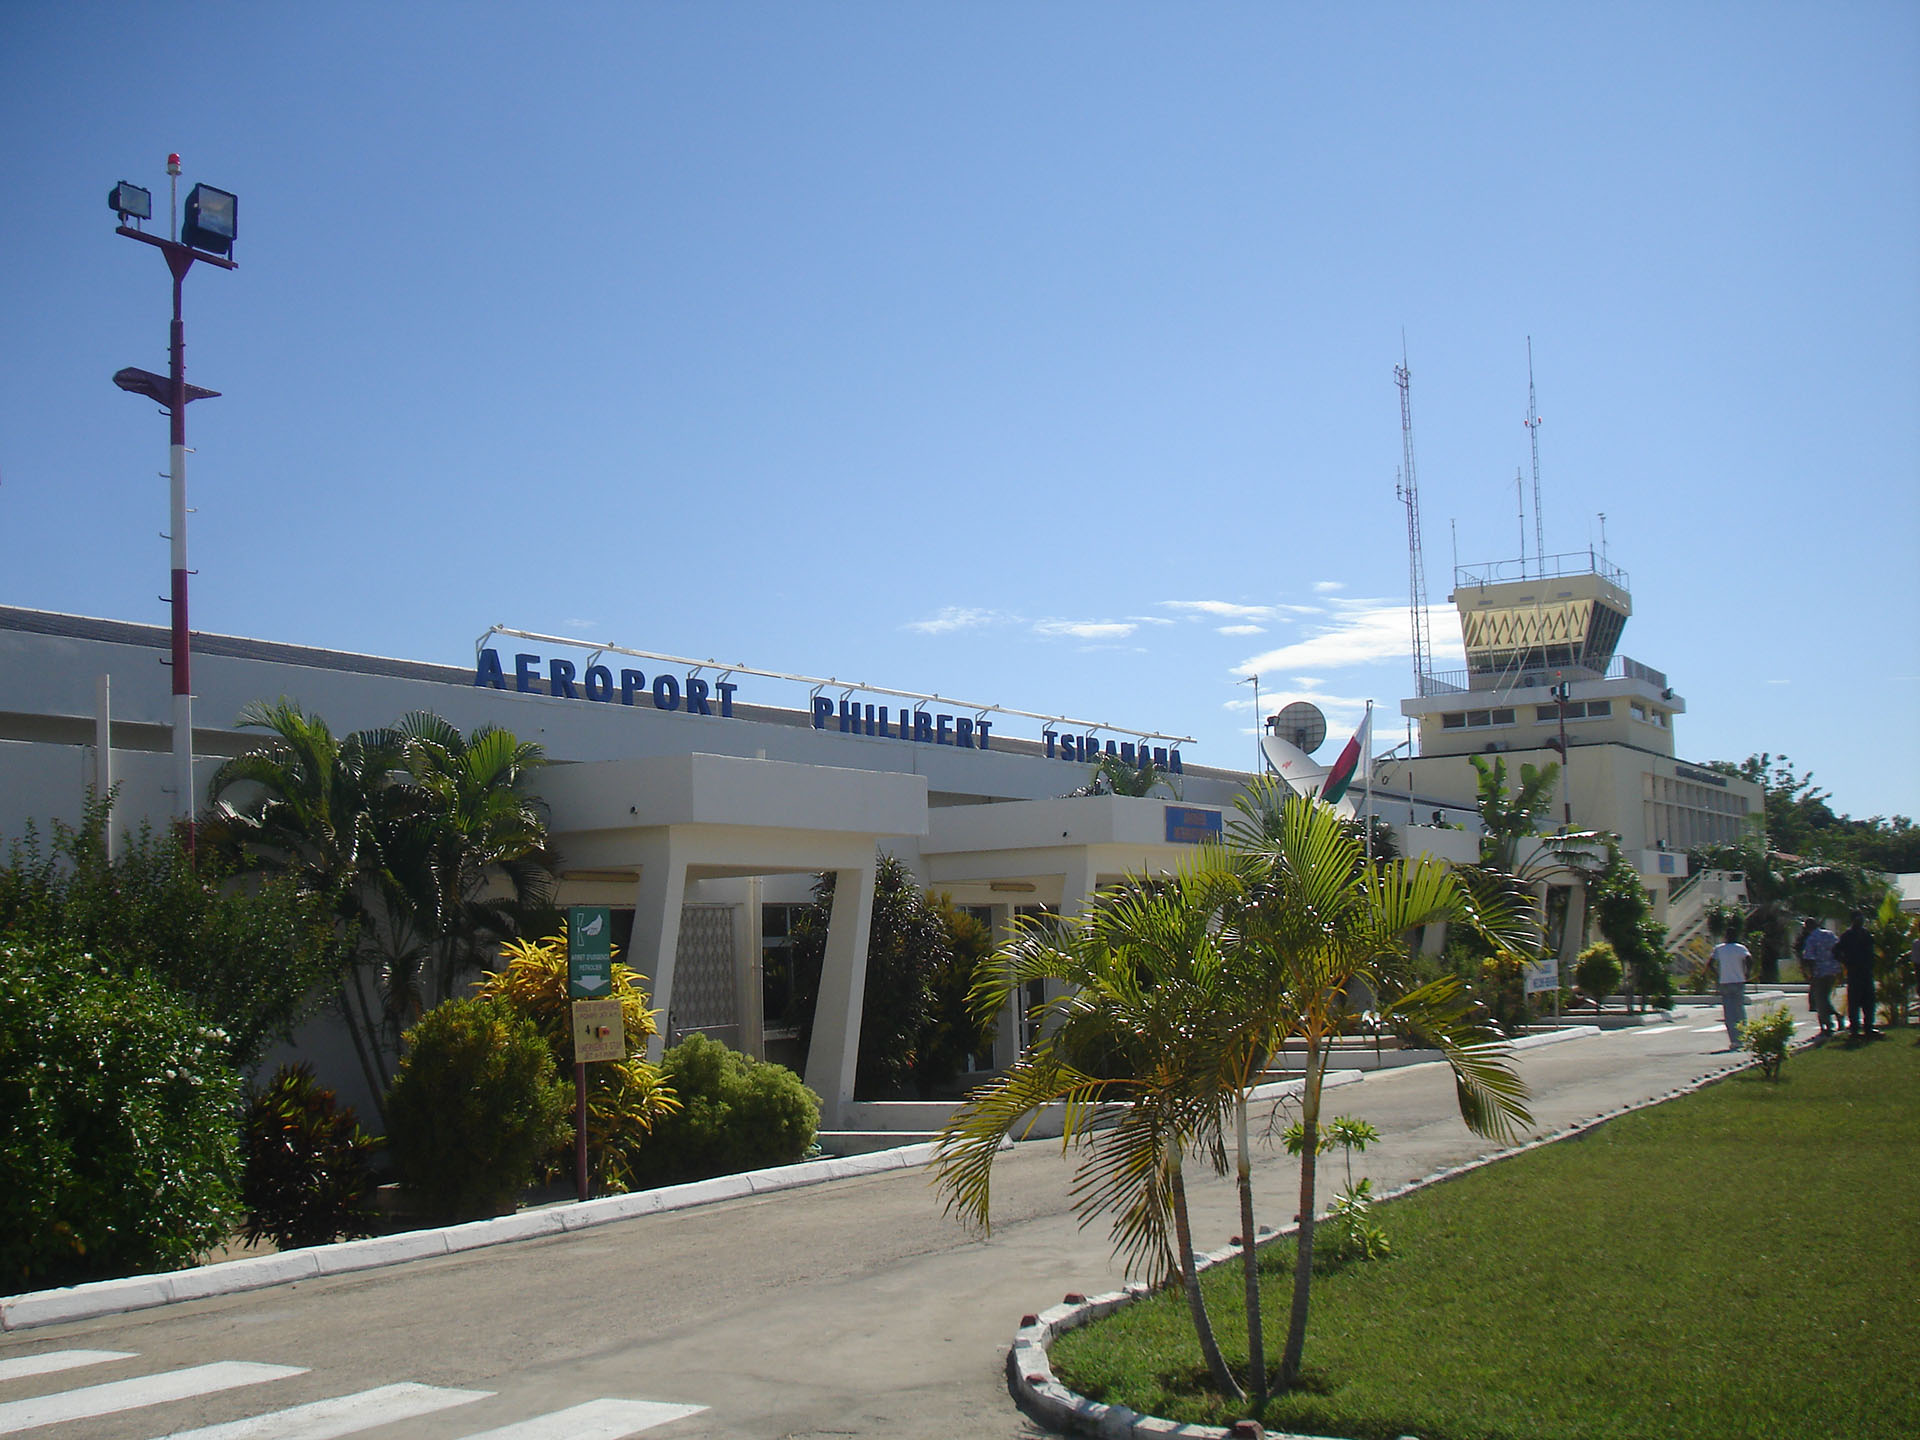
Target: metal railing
pixel 1523 676
pixel 1539 567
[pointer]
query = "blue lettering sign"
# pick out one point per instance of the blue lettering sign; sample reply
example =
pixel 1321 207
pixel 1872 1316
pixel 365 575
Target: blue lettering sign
pixel 630 681
pixel 560 679
pixel 666 693
pixel 598 683
pixel 523 668
pixel 487 672
pixel 697 696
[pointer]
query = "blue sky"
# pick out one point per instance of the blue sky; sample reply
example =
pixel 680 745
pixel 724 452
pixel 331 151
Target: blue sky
pixel 1037 355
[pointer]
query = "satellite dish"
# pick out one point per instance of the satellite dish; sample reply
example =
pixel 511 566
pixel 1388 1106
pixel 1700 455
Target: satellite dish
pixel 1301 725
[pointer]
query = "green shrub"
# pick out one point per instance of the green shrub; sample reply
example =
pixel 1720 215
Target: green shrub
pixel 250 958
pixel 1597 971
pixel 308 1178
pixel 1767 1036
pixel 120 1150
pixel 474 1107
pixel 736 1113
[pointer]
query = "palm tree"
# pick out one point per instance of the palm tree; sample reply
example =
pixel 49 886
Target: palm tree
pixel 1321 917
pixel 312 806
pixel 1139 1027
pixel 404 832
pixel 472 822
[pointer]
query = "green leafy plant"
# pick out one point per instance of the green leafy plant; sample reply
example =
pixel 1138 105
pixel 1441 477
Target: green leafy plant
pixel 735 1113
pixel 475 1107
pixel 309 1176
pixel 952 1032
pixel 1893 933
pixel 1353 1234
pixel 1597 971
pixel 249 958
pixel 625 1098
pixel 1624 917
pixel 1767 1036
pixel 907 945
pixel 120 1151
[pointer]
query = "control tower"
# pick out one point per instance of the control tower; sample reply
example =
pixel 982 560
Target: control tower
pixel 1526 636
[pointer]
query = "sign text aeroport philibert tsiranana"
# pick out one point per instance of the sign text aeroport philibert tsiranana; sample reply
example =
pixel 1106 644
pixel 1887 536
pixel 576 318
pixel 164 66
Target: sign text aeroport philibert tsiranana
pixel 565 680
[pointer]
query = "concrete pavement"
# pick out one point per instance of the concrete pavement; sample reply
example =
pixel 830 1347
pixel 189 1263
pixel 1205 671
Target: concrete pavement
pixel 850 1309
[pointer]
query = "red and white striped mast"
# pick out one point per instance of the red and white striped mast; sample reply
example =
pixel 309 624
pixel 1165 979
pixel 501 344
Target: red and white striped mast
pixel 208 237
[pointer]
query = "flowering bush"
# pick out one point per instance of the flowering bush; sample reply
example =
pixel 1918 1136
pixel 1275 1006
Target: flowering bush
pixel 121 1149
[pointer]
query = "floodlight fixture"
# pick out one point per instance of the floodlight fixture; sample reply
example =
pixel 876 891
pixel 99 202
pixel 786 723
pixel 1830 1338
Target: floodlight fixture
pixel 212 220
pixel 130 201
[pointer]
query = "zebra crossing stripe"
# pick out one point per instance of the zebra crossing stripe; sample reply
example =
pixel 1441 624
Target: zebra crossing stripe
pixel 118 1395
pixel 341 1415
pixel 595 1420
pixel 49 1362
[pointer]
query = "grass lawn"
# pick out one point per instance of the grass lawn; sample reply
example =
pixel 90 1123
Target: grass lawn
pixel 1741 1262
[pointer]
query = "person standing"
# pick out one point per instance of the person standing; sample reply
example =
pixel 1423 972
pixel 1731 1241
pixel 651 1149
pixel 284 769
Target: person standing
pixel 1854 951
pixel 1732 959
pixel 1816 950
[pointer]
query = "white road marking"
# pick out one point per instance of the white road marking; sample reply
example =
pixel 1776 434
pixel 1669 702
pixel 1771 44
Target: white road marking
pixel 50 1361
pixel 1709 1029
pixel 341 1415
pixel 117 1395
pixel 595 1420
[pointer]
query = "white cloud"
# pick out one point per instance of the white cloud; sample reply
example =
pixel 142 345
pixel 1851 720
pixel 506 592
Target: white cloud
pixel 1359 632
pixel 1327 587
pixel 954 617
pixel 1223 609
pixel 1241 629
pixel 1084 629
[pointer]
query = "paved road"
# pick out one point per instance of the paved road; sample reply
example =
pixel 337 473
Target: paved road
pixel 850 1309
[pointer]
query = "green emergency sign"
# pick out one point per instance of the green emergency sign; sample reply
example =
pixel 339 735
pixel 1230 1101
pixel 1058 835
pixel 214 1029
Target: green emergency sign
pixel 589 952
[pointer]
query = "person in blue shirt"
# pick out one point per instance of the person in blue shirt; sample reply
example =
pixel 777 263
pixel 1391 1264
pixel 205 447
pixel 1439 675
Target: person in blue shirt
pixel 1816 953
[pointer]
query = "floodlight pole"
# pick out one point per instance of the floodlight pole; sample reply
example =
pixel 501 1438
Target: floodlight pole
pixel 174 393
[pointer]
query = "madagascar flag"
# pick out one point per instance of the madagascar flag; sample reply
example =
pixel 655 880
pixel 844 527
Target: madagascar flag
pixel 1341 775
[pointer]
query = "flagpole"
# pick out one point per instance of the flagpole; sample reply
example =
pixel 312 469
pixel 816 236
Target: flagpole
pixel 1366 760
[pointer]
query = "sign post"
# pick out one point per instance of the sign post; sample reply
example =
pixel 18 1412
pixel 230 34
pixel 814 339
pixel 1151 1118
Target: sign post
pixel 598 1030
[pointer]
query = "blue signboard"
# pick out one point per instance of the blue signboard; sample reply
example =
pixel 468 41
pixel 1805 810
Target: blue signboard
pixel 1188 826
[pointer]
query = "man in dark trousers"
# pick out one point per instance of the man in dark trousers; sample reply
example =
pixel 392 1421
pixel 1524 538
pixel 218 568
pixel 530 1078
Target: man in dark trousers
pixel 1855 954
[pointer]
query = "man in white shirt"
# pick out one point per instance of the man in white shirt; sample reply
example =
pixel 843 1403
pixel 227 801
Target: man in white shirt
pixel 1731 959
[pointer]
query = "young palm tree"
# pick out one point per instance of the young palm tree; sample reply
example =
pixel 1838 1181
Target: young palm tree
pixel 1139 1027
pixel 471 822
pixel 1321 918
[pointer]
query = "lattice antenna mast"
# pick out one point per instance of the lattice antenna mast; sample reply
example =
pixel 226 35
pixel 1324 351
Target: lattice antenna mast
pixel 1407 490
pixel 1533 437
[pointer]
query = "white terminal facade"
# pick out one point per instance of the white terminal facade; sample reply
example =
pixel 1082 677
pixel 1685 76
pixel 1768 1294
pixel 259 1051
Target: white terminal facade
pixel 699 811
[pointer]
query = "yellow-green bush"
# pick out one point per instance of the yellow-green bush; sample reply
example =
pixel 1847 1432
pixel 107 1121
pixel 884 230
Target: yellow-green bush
pixel 625 1098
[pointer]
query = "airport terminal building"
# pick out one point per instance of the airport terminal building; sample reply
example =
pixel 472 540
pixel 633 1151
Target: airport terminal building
pixel 699 813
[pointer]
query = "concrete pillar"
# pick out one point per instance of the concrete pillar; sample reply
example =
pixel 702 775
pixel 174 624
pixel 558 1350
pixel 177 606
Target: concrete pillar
pixel 748 995
pixel 656 927
pixel 1077 888
pixel 835 1047
pixel 1006 1032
